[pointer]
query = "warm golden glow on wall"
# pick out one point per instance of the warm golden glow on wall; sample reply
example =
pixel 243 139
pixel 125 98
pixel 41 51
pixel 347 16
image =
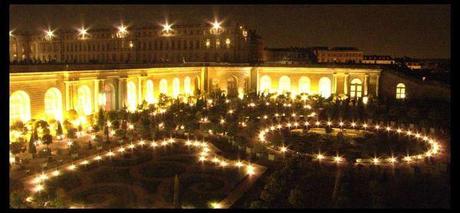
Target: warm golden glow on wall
pixel 284 84
pixel 149 92
pixel 132 96
pixel 19 107
pixel 164 86
pixel 176 87
pixel 84 100
pixel 325 87
pixel 304 85
pixel 187 86
pixel 53 104
pixel 265 83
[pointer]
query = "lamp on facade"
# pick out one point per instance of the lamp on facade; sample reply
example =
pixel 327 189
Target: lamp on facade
pixel 365 100
pixel 122 31
pixel 49 34
pixel 167 29
pixel 216 28
pixel 82 33
pixel 11 33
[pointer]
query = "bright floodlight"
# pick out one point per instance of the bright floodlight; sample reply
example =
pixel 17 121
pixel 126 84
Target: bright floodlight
pixel 83 33
pixel 11 33
pixel 49 34
pixel 122 31
pixel 216 24
pixel 216 27
pixel 167 28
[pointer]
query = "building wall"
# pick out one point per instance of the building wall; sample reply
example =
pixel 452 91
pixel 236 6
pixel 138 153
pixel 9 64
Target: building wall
pixel 339 56
pixel 186 43
pixel 415 88
pixel 234 80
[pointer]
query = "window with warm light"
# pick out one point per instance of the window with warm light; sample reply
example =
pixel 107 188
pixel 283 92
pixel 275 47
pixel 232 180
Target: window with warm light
pixel 164 86
pixel 265 83
pixel 325 87
pixel 19 107
pixel 176 87
pixel 132 96
pixel 149 93
pixel 53 104
pixel 227 42
pixel 84 106
pixel 304 85
pixel 284 84
pixel 356 88
pixel 400 91
pixel 187 86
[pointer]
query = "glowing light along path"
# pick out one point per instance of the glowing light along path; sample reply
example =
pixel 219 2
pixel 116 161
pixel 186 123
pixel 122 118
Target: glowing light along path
pixel 433 151
pixel 205 153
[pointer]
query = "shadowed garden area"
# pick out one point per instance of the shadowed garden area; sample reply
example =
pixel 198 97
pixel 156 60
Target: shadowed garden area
pixel 144 179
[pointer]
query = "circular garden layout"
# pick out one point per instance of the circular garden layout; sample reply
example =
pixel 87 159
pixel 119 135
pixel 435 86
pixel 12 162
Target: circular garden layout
pixel 142 175
pixel 144 178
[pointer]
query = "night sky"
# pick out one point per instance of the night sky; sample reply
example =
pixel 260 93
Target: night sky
pixel 421 31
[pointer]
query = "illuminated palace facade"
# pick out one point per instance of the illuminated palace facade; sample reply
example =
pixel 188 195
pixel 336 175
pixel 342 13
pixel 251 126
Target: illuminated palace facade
pixel 168 43
pixel 46 92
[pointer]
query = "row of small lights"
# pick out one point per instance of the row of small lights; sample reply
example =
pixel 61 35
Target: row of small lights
pixel 432 151
pixel 123 30
pixel 203 156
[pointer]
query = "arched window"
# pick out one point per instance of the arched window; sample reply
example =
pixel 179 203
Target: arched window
pixel 187 86
pixel 304 85
pixel 265 83
pixel 325 87
pixel 356 88
pixel 53 104
pixel 164 86
pixel 132 96
pixel 284 84
pixel 150 98
pixel 232 86
pixel 19 107
pixel 109 91
pixel 400 91
pixel 176 87
pixel 84 100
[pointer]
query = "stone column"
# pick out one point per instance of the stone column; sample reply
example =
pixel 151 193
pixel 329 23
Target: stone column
pixel 365 87
pixel 67 95
pixel 334 83
pixel 73 95
pixel 254 80
pixel 377 86
pixel 140 89
pixel 96 95
pixel 122 87
pixel 345 84
pixel 204 80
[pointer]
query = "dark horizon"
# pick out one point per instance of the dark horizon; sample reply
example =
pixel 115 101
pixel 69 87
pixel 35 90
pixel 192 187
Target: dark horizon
pixel 418 31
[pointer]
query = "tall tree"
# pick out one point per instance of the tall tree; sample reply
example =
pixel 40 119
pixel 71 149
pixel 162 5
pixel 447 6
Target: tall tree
pixel 100 118
pixel 32 148
pixel 59 129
